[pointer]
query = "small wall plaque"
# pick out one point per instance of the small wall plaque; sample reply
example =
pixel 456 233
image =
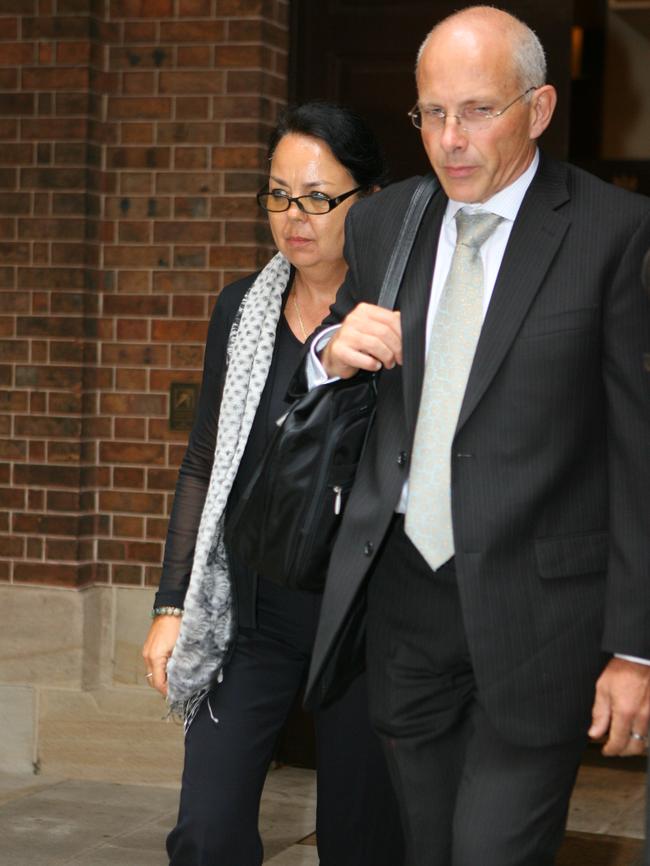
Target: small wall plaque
pixel 183 400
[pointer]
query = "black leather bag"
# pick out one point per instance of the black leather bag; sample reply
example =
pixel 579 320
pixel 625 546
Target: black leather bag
pixel 286 521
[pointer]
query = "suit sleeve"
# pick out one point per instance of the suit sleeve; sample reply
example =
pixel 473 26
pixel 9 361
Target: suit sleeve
pixel 626 378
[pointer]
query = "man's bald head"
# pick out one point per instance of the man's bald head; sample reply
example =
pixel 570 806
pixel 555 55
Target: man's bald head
pixel 526 51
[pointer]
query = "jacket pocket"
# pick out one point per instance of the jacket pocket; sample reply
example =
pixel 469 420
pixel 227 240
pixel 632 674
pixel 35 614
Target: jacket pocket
pixel 569 555
pixel 583 319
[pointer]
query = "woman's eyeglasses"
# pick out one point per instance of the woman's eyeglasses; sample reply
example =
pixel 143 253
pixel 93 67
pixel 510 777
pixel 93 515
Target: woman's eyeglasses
pixel 277 201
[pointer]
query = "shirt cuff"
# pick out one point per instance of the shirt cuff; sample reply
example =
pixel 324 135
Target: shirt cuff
pixel 315 371
pixel 632 659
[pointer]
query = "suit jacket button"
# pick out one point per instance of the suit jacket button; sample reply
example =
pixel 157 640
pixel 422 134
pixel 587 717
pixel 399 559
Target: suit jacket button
pixel 401 458
pixel 368 549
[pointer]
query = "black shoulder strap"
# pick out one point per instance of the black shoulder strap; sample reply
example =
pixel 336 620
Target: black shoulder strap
pixel 404 243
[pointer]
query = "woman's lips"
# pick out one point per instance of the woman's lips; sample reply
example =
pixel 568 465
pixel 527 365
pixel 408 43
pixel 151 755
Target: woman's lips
pixel 298 241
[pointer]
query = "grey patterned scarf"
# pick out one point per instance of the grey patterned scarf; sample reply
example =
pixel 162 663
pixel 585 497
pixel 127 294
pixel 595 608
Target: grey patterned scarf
pixel 208 624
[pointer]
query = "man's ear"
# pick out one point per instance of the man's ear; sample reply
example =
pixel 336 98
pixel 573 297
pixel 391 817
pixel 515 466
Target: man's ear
pixel 542 106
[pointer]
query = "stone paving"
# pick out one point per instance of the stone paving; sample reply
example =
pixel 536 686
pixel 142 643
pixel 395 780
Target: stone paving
pixel 52 821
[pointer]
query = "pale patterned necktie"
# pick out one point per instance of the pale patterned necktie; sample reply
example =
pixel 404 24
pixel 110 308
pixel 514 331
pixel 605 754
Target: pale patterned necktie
pixel 452 346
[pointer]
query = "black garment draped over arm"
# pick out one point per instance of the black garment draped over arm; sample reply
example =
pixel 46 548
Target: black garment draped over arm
pixel 195 469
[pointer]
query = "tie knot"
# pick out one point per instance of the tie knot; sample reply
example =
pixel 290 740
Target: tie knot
pixel 475 228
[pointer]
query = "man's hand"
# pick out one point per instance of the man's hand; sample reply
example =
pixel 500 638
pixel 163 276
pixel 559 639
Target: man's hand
pixel 369 338
pixel 158 647
pixel 622 705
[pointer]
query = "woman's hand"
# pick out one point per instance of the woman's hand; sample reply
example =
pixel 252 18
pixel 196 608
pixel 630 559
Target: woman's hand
pixel 158 647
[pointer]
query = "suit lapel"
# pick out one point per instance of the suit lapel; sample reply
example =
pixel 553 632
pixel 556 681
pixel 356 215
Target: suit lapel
pixel 535 238
pixel 413 303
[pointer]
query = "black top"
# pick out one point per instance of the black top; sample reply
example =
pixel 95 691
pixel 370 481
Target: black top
pixel 195 469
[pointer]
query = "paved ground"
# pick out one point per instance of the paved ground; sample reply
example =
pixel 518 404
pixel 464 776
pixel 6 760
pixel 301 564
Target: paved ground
pixel 47 821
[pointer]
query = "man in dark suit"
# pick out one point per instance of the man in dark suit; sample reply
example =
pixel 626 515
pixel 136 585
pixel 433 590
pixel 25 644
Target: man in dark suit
pixel 498 531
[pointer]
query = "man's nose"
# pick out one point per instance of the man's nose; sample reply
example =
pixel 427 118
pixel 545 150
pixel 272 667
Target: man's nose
pixel 453 135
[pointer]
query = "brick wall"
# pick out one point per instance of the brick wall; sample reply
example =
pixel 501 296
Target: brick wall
pixel 132 137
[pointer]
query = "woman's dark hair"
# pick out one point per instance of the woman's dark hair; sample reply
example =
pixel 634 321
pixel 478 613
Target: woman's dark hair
pixel 345 133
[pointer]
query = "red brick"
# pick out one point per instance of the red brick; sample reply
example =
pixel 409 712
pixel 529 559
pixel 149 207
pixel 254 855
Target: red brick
pixel 16 53
pixel 184 281
pixel 142 9
pixel 248 232
pixel 138 157
pixel 131 502
pixel 130 428
pixel 136 183
pixel 240 8
pixel 189 133
pixel 192 108
pixel 192 231
pixel 62 500
pixel 139 31
pixel 14 254
pixel 138 83
pixel 118 354
pixel 177 32
pixel 53 178
pixel 8 79
pixel 45 573
pixel 190 257
pixel 140 57
pixel 136 133
pixel 13 498
pixel 233 257
pixel 129 108
pixel 130 232
pixel 12 104
pixel 45 524
pixel 134 281
pixel 192 306
pixel 50 278
pixel 162 379
pixel 129 527
pixel 65 551
pixel 161 479
pixel 187 183
pixel 59 229
pixel 194 55
pixel 47 426
pixel 129 575
pixel 136 256
pixel 187 356
pixel 240 56
pixel 242 107
pixel 12 547
pixel 191 158
pixel 238 158
pixel 133 404
pixel 132 452
pixel 56 27
pixel 127 476
pixel 144 551
pixel 194 8
pixel 192 82
pixel 55 79
pixel 178 331
pixel 73 53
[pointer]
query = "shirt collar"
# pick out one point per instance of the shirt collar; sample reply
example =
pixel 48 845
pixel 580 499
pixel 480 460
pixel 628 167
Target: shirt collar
pixel 505 203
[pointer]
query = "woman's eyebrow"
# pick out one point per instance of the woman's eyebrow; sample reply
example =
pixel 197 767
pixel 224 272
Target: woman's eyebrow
pixel 313 183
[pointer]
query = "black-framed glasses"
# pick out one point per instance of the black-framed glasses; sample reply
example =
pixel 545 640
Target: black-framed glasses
pixel 277 201
pixel 470 119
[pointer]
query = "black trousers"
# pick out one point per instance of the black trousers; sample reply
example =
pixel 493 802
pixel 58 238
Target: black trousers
pixel 467 797
pixel 231 742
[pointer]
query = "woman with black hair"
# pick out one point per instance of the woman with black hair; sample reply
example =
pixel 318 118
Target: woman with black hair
pixel 227 647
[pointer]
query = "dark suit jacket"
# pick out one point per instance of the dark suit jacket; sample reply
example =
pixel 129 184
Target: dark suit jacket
pixel 551 457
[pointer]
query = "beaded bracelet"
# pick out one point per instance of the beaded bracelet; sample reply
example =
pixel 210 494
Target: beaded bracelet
pixel 167 611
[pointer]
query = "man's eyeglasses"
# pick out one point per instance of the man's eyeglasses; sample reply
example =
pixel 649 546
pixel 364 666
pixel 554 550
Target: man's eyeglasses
pixel 470 119
pixel 277 201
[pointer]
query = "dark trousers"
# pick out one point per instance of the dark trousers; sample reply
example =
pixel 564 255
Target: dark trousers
pixel 467 797
pixel 231 743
